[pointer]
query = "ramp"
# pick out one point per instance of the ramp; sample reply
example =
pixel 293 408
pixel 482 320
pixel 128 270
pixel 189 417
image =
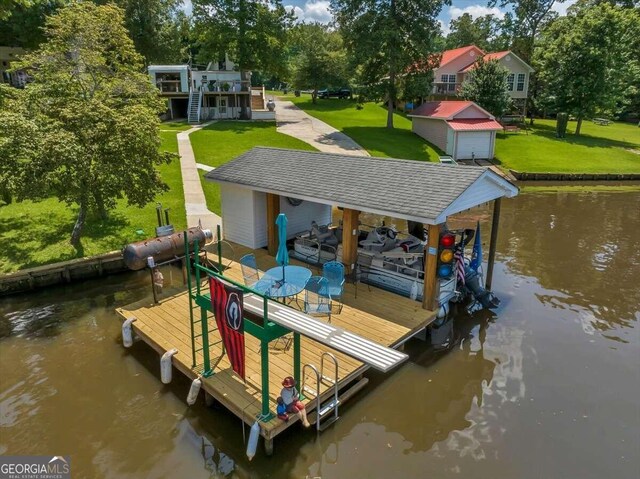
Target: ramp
pixel 369 352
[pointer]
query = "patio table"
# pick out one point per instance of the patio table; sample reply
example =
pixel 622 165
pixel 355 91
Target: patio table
pixel 273 285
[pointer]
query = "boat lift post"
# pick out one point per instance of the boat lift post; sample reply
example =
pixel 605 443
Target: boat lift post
pixel 495 221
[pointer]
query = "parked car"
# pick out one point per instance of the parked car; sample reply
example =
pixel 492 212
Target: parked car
pixel 335 93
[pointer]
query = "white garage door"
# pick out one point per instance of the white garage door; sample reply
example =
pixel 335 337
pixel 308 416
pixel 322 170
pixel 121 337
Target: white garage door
pixel 476 143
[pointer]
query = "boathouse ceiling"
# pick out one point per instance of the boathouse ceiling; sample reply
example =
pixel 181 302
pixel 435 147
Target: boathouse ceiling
pixel 406 189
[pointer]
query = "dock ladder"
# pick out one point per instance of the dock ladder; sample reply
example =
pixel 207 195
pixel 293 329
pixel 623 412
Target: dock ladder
pixel 325 409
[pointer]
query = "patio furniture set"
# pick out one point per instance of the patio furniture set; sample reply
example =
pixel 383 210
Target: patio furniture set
pixel 285 283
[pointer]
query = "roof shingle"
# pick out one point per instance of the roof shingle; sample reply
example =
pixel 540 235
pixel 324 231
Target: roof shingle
pixel 400 188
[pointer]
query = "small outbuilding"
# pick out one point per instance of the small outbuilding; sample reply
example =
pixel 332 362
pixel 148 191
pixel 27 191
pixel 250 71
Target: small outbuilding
pixel 461 129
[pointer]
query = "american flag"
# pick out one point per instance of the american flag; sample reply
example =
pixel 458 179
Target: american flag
pixel 458 256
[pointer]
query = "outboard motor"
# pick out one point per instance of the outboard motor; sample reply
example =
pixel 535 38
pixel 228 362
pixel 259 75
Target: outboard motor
pixel 473 282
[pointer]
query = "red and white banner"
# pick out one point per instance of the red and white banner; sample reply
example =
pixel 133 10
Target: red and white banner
pixel 227 308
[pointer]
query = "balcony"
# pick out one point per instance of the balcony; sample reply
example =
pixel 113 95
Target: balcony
pixel 169 86
pixel 226 86
pixel 451 89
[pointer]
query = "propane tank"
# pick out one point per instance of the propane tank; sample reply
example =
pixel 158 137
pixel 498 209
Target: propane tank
pixel 194 390
pixel 162 248
pixel 166 368
pixel 252 445
pixel 127 332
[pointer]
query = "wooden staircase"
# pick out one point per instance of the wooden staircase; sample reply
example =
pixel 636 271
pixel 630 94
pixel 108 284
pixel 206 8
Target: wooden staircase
pixel 195 105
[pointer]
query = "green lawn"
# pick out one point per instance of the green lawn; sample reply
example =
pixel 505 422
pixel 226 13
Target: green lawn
pixel 37 233
pixel 222 141
pixel 179 125
pixel 367 127
pixel 599 149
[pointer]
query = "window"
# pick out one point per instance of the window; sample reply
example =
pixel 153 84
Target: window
pixel 444 78
pixel 520 86
pixel 510 80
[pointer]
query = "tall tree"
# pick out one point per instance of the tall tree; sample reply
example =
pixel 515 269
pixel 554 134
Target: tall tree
pixel 321 58
pixel 529 17
pixel 487 86
pixel 152 25
pixel 85 130
pixel 386 37
pixel 253 32
pixel 21 22
pixel 588 60
pixel 481 31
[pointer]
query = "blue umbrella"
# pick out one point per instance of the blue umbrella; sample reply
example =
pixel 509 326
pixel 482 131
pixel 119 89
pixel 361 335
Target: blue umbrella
pixel 282 256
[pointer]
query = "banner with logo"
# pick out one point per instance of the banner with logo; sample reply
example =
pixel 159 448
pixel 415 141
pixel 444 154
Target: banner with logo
pixel 227 308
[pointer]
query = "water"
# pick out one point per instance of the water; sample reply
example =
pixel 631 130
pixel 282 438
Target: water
pixel 547 386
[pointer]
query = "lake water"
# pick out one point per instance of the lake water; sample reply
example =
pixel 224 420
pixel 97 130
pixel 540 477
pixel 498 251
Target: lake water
pixel 546 386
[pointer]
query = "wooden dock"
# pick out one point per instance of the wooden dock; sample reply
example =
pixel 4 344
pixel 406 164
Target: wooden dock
pixel 381 316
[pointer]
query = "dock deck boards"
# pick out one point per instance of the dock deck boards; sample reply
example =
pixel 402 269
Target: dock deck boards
pixel 378 315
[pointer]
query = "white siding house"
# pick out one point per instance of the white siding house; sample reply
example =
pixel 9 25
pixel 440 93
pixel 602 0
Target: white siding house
pixel 461 129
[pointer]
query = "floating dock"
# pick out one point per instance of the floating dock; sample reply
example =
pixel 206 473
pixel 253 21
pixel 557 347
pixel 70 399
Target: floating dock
pixel 380 316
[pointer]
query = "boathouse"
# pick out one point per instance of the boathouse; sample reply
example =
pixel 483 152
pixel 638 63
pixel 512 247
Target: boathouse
pixel 326 356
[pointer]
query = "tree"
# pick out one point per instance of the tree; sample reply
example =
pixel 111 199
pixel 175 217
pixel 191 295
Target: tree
pixel 85 130
pixel 386 37
pixel 253 33
pixel 529 17
pixel 321 59
pixel 487 86
pixel 154 27
pixel 21 22
pixel 465 30
pixel 588 60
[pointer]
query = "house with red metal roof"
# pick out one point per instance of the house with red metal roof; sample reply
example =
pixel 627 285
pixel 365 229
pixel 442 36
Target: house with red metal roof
pixel 461 129
pixel 456 66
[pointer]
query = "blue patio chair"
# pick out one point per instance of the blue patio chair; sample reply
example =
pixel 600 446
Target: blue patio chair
pixel 250 272
pixel 334 272
pixel 317 300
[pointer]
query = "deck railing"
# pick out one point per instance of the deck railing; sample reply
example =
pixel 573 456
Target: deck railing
pixel 266 332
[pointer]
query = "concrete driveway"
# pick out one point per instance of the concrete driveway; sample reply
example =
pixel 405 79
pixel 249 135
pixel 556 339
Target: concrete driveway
pixel 294 122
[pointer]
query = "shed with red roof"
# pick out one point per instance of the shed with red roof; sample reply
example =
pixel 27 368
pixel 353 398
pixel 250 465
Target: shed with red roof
pixel 461 129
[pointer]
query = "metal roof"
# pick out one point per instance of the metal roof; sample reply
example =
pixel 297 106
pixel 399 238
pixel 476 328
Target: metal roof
pixel 474 124
pixel 405 189
pixel 448 109
pixel 369 352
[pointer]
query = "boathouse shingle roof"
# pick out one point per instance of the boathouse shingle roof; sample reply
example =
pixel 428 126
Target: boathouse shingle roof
pixel 409 189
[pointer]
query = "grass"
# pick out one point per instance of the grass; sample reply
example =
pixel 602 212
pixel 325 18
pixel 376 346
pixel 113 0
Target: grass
pixel 599 149
pixel 37 233
pixel 367 127
pixel 179 125
pixel 222 141
pixel 581 188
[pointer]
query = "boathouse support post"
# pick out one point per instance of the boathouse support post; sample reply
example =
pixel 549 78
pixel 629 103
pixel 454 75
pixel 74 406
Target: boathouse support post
pixel 495 222
pixel 431 285
pixel 350 238
pixel 273 210
pixel 268 446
